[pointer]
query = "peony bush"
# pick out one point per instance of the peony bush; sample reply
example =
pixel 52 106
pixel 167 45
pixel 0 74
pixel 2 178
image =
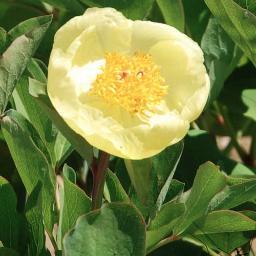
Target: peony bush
pixel 127 128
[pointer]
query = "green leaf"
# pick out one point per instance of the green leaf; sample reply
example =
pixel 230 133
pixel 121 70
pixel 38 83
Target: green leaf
pixel 31 163
pixel 132 9
pixel 221 55
pixel 239 22
pixel 207 183
pixel 200 147
pixel 28 106
pixel 38 90
pixel 232 196
pixel 118 227
pixel 34 216
pixel 3 37
pixel 140 172
pixel 173 13
pixel 162 225
pixel 10 220
pixel 249 99
pixel 7 252
pixel 113 191
pixel 168 212
pixel 74 203
pixel 165 165
pixel 225 242
pixel 14 60
pixel 223 221
pixel 196 17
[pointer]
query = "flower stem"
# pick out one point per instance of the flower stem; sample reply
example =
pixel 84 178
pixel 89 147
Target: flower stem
pixel 99 175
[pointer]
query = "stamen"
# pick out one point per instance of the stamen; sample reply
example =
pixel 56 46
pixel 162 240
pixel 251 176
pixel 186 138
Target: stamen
pixel 133 82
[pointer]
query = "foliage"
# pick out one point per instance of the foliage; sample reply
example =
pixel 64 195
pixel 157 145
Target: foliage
pixel 195 197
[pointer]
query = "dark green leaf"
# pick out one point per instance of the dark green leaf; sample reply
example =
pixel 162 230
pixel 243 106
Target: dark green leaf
pixel 31 163
pixel 239 22
pixel 173 13
pixel 3 36
pixel 10 220
pixel 132 9
pixel 14 60
pixel 118 228
pixel 221 55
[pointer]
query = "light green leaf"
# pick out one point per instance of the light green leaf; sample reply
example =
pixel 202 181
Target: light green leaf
pixel 173 13
pixel 26 38
pixel 10 220
pixel 223 221
pixel 132 9
pixel 118 227
pixel 25 147
pixel 74 203
pixel 249 99
pixel 221 55
pixel 238 21
pixel 232 196
pixel 207 183
pixel 113 190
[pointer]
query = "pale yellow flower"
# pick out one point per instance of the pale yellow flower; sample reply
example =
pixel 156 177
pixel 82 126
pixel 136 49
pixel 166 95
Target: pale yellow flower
pixel 130 88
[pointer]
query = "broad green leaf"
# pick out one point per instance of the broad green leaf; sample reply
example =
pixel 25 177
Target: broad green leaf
pixel 232 196
pixel 223 221
pixel 34 216
pixel 175 189
pixel 173 13
pixel 74 203
pixel 168 212
pixel 16 57
pixel 10 220
pixel 37 69
pixel 113 190
pixel 207 183
pixel 163 223
pixel 38 90
pixel 116 229
pixel 249 99
pixel 221 55
pixel 136 10
pixel 31 163
pixel 239 22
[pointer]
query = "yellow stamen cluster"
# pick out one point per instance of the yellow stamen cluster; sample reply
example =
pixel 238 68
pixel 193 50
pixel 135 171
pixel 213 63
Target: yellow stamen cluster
pixel 133 82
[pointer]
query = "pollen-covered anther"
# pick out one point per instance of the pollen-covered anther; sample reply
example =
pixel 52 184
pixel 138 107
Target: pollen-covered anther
pixel 133 82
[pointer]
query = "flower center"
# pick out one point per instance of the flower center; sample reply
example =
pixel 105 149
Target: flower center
pixel 133 82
